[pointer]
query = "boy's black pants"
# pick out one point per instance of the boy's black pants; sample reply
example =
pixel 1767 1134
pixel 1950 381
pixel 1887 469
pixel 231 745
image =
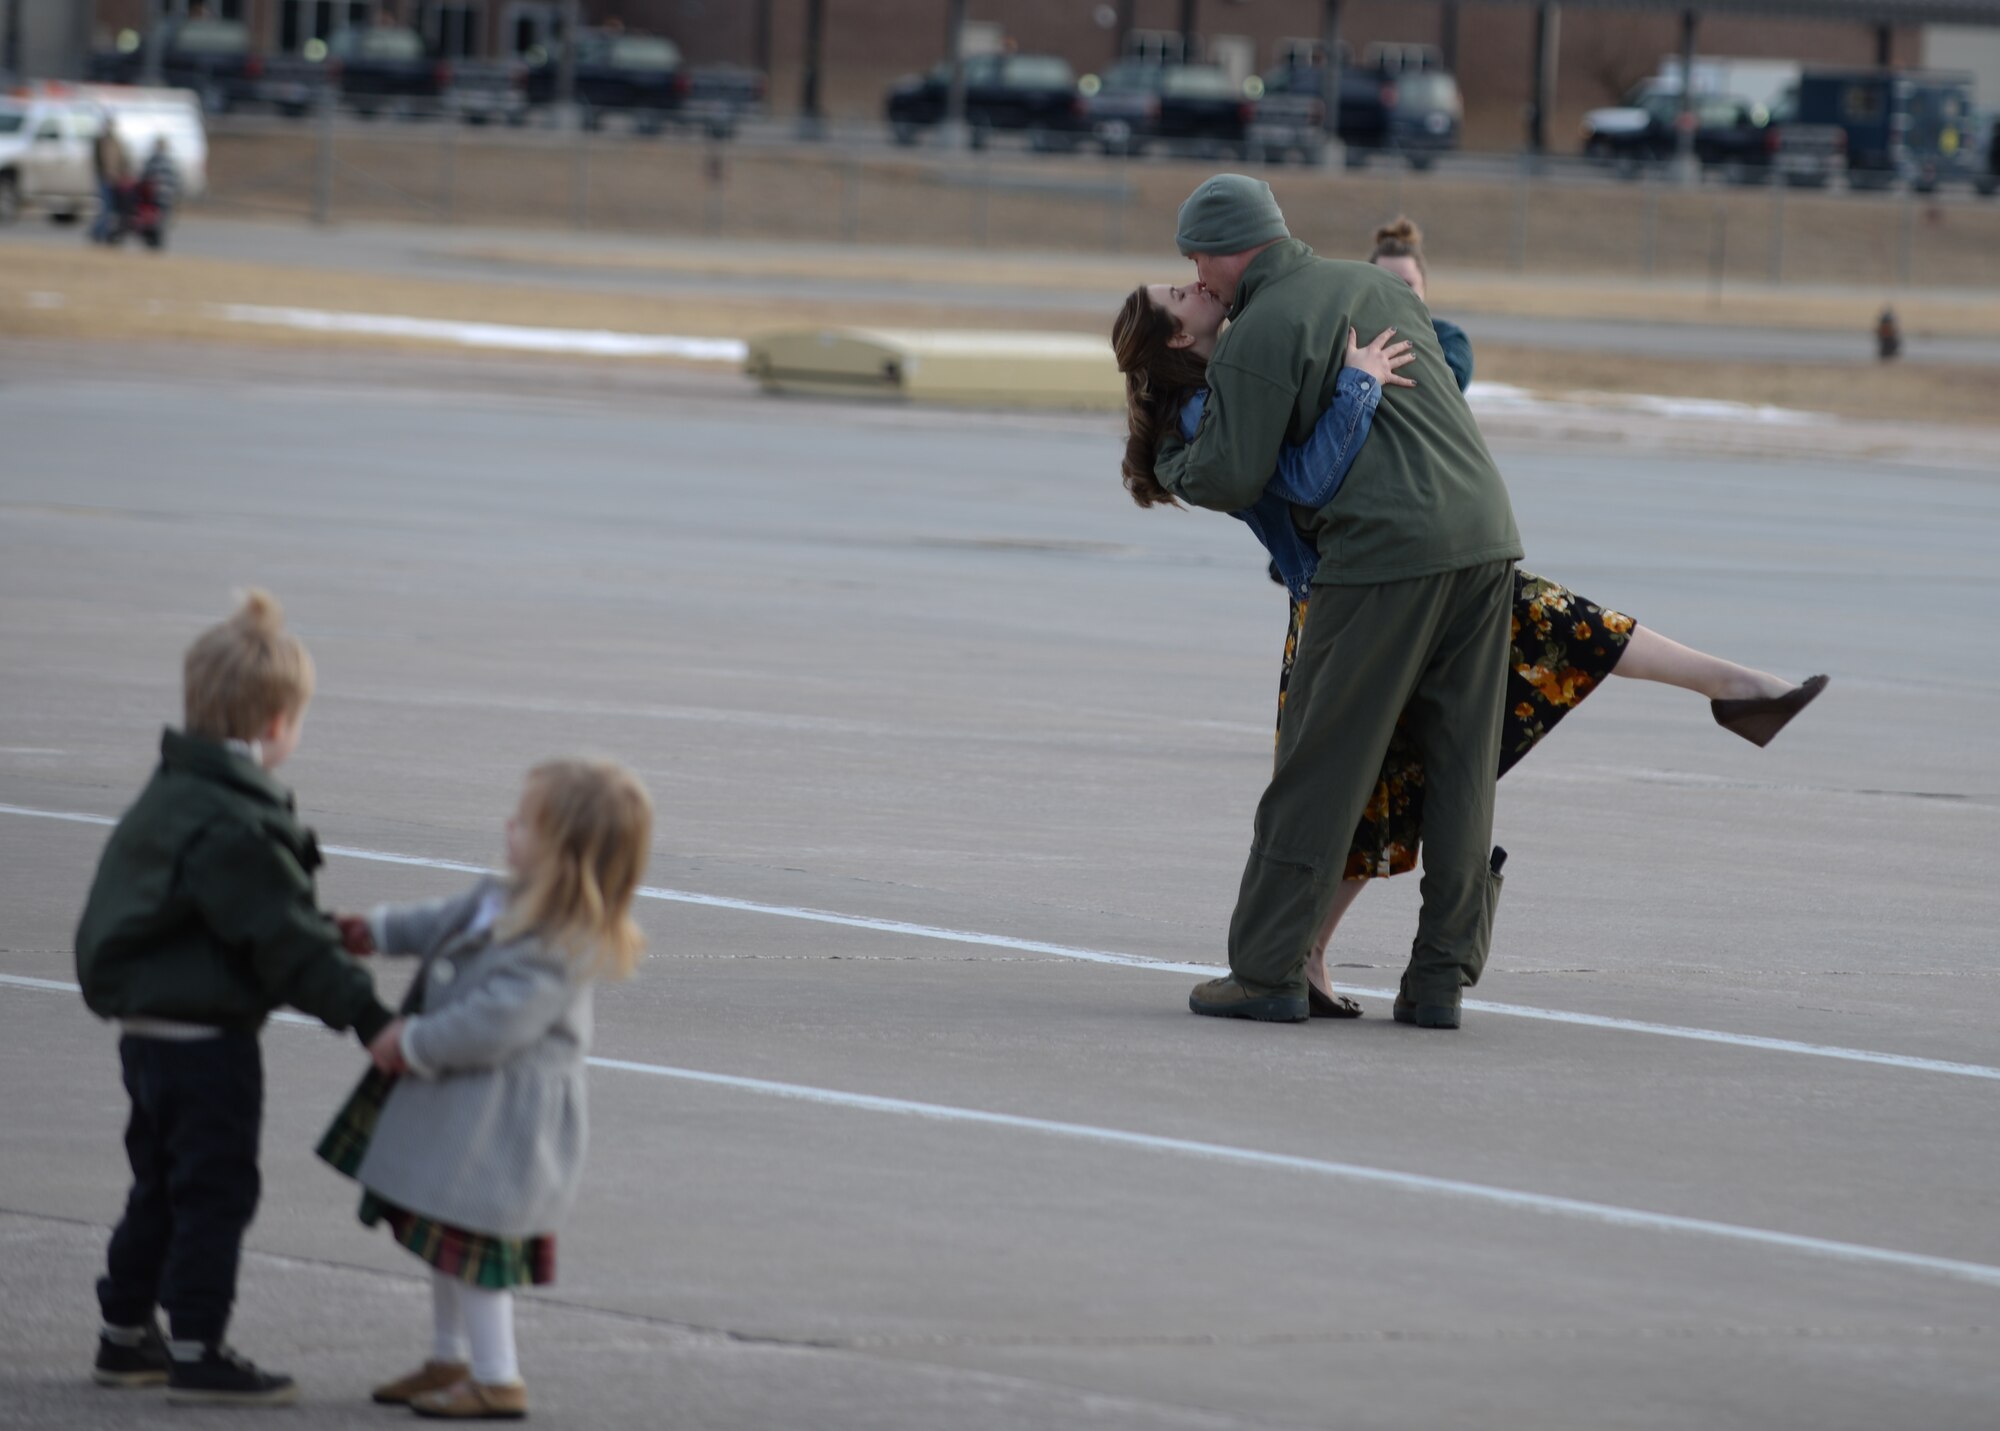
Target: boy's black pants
pixel 196 1109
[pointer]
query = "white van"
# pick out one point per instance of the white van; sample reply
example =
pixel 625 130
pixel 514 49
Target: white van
pixel 47 132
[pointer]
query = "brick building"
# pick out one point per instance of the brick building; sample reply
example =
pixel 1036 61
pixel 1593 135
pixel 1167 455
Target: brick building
pixel 869 42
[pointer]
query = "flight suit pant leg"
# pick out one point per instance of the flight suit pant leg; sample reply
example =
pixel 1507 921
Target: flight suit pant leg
pixel 1359 659
pixel 1456 717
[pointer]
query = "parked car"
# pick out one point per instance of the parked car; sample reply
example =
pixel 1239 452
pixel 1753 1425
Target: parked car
pixel 1199 109
pixel 1909 126
pixel 47 133
pixel 1729 132
pixel 640 76
pixel 1034 95
pixel 388 68
pixel 1412 114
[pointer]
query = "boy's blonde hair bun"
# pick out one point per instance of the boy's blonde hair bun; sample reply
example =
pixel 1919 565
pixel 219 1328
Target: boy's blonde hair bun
pixel 245 670
pixel 259 611
pixel 592 824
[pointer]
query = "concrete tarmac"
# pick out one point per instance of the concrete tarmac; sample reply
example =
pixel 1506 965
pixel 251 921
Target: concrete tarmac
pixel 964 1160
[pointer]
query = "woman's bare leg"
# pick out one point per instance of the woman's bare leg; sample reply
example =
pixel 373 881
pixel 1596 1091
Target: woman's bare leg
pixel 1316 961
pixel 1649 656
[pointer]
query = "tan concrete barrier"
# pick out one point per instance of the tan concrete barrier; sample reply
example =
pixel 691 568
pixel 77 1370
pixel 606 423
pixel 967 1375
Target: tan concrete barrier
pixel 989 369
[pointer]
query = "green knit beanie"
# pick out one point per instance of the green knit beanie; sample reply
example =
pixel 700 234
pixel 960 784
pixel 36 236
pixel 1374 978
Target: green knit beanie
pixel 1229 213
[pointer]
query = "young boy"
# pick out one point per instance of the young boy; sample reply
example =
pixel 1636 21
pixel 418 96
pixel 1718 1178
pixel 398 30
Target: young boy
pixel 201 920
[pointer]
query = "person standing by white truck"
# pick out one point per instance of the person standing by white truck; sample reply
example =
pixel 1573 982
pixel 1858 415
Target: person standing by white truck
pixel 112 169
pixel 49 134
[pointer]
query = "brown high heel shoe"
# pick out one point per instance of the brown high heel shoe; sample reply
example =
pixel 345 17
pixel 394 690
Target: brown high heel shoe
pixel 1759 721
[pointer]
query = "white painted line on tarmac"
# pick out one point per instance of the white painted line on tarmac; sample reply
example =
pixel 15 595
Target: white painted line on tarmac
pixel 1608 1214
pixel 508 336
pixel 941 934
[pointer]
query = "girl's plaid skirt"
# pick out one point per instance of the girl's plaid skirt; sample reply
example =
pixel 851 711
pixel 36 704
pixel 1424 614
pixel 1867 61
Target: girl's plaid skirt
pixel 475 1257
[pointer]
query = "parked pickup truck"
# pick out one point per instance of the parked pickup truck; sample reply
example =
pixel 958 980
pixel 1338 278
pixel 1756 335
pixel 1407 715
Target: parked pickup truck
pixel 1729 133
pixel 1413 114
pixel 1034 95
pixel 388 68
pixel 48 133
pixel 1181 108
pixel 640 76
pixel 214 59
pixel 211 57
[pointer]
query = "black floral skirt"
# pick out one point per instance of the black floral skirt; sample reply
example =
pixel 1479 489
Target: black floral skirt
pixel 1564 645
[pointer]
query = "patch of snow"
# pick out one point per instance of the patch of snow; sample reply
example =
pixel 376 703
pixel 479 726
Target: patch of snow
pixel 506 336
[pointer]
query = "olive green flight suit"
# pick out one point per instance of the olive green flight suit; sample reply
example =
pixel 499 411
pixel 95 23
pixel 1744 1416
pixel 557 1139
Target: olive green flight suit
pixel 1410 610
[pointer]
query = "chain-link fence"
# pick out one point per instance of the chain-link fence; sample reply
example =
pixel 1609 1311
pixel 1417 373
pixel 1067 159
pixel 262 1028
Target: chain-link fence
pixel 1557 222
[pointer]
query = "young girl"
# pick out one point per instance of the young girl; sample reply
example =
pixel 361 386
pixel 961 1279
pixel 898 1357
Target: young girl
pixel 467 1137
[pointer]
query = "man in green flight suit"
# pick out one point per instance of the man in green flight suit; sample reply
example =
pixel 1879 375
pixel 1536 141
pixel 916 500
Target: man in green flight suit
pixel 1409 615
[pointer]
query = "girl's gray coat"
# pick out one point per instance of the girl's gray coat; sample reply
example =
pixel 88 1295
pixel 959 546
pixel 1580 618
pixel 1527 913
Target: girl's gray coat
pixel 493 1142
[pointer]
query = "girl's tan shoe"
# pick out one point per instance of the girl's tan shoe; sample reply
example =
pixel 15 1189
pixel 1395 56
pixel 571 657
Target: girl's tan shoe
pixel 431 1376
pixel 469 1400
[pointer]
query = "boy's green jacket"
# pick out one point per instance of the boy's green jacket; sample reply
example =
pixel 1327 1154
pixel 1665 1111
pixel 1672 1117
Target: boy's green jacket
pixel 203 908
pixel 1423 495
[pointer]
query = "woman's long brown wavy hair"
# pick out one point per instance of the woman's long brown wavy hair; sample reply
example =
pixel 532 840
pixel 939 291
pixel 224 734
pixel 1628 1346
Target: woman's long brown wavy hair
pixel 1158 381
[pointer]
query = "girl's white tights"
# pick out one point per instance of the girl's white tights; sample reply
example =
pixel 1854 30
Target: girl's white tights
pixel 474 1324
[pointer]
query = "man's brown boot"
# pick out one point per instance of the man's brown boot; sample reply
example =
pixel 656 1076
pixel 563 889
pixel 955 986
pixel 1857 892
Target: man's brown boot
pixel 1227 999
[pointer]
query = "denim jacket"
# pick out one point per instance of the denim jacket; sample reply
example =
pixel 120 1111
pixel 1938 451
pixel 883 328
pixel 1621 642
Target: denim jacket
pixel 1309 473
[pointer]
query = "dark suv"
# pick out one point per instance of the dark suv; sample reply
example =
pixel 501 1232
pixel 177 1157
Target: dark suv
pixel 211 57
pixel 1137 105
pixel 1729 132
pixel 1031 94
pixel 1412 114
pixel 637 75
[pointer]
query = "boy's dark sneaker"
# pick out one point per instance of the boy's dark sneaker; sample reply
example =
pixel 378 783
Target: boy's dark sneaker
pixel 218 1376
pixel 131 1356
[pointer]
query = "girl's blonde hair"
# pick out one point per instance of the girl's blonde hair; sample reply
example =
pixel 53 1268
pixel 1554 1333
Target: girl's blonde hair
pixel 241 672
pixel 592 824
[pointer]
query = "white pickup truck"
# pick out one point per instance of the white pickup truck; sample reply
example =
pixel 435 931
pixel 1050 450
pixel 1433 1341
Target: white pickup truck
pixel 47 133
